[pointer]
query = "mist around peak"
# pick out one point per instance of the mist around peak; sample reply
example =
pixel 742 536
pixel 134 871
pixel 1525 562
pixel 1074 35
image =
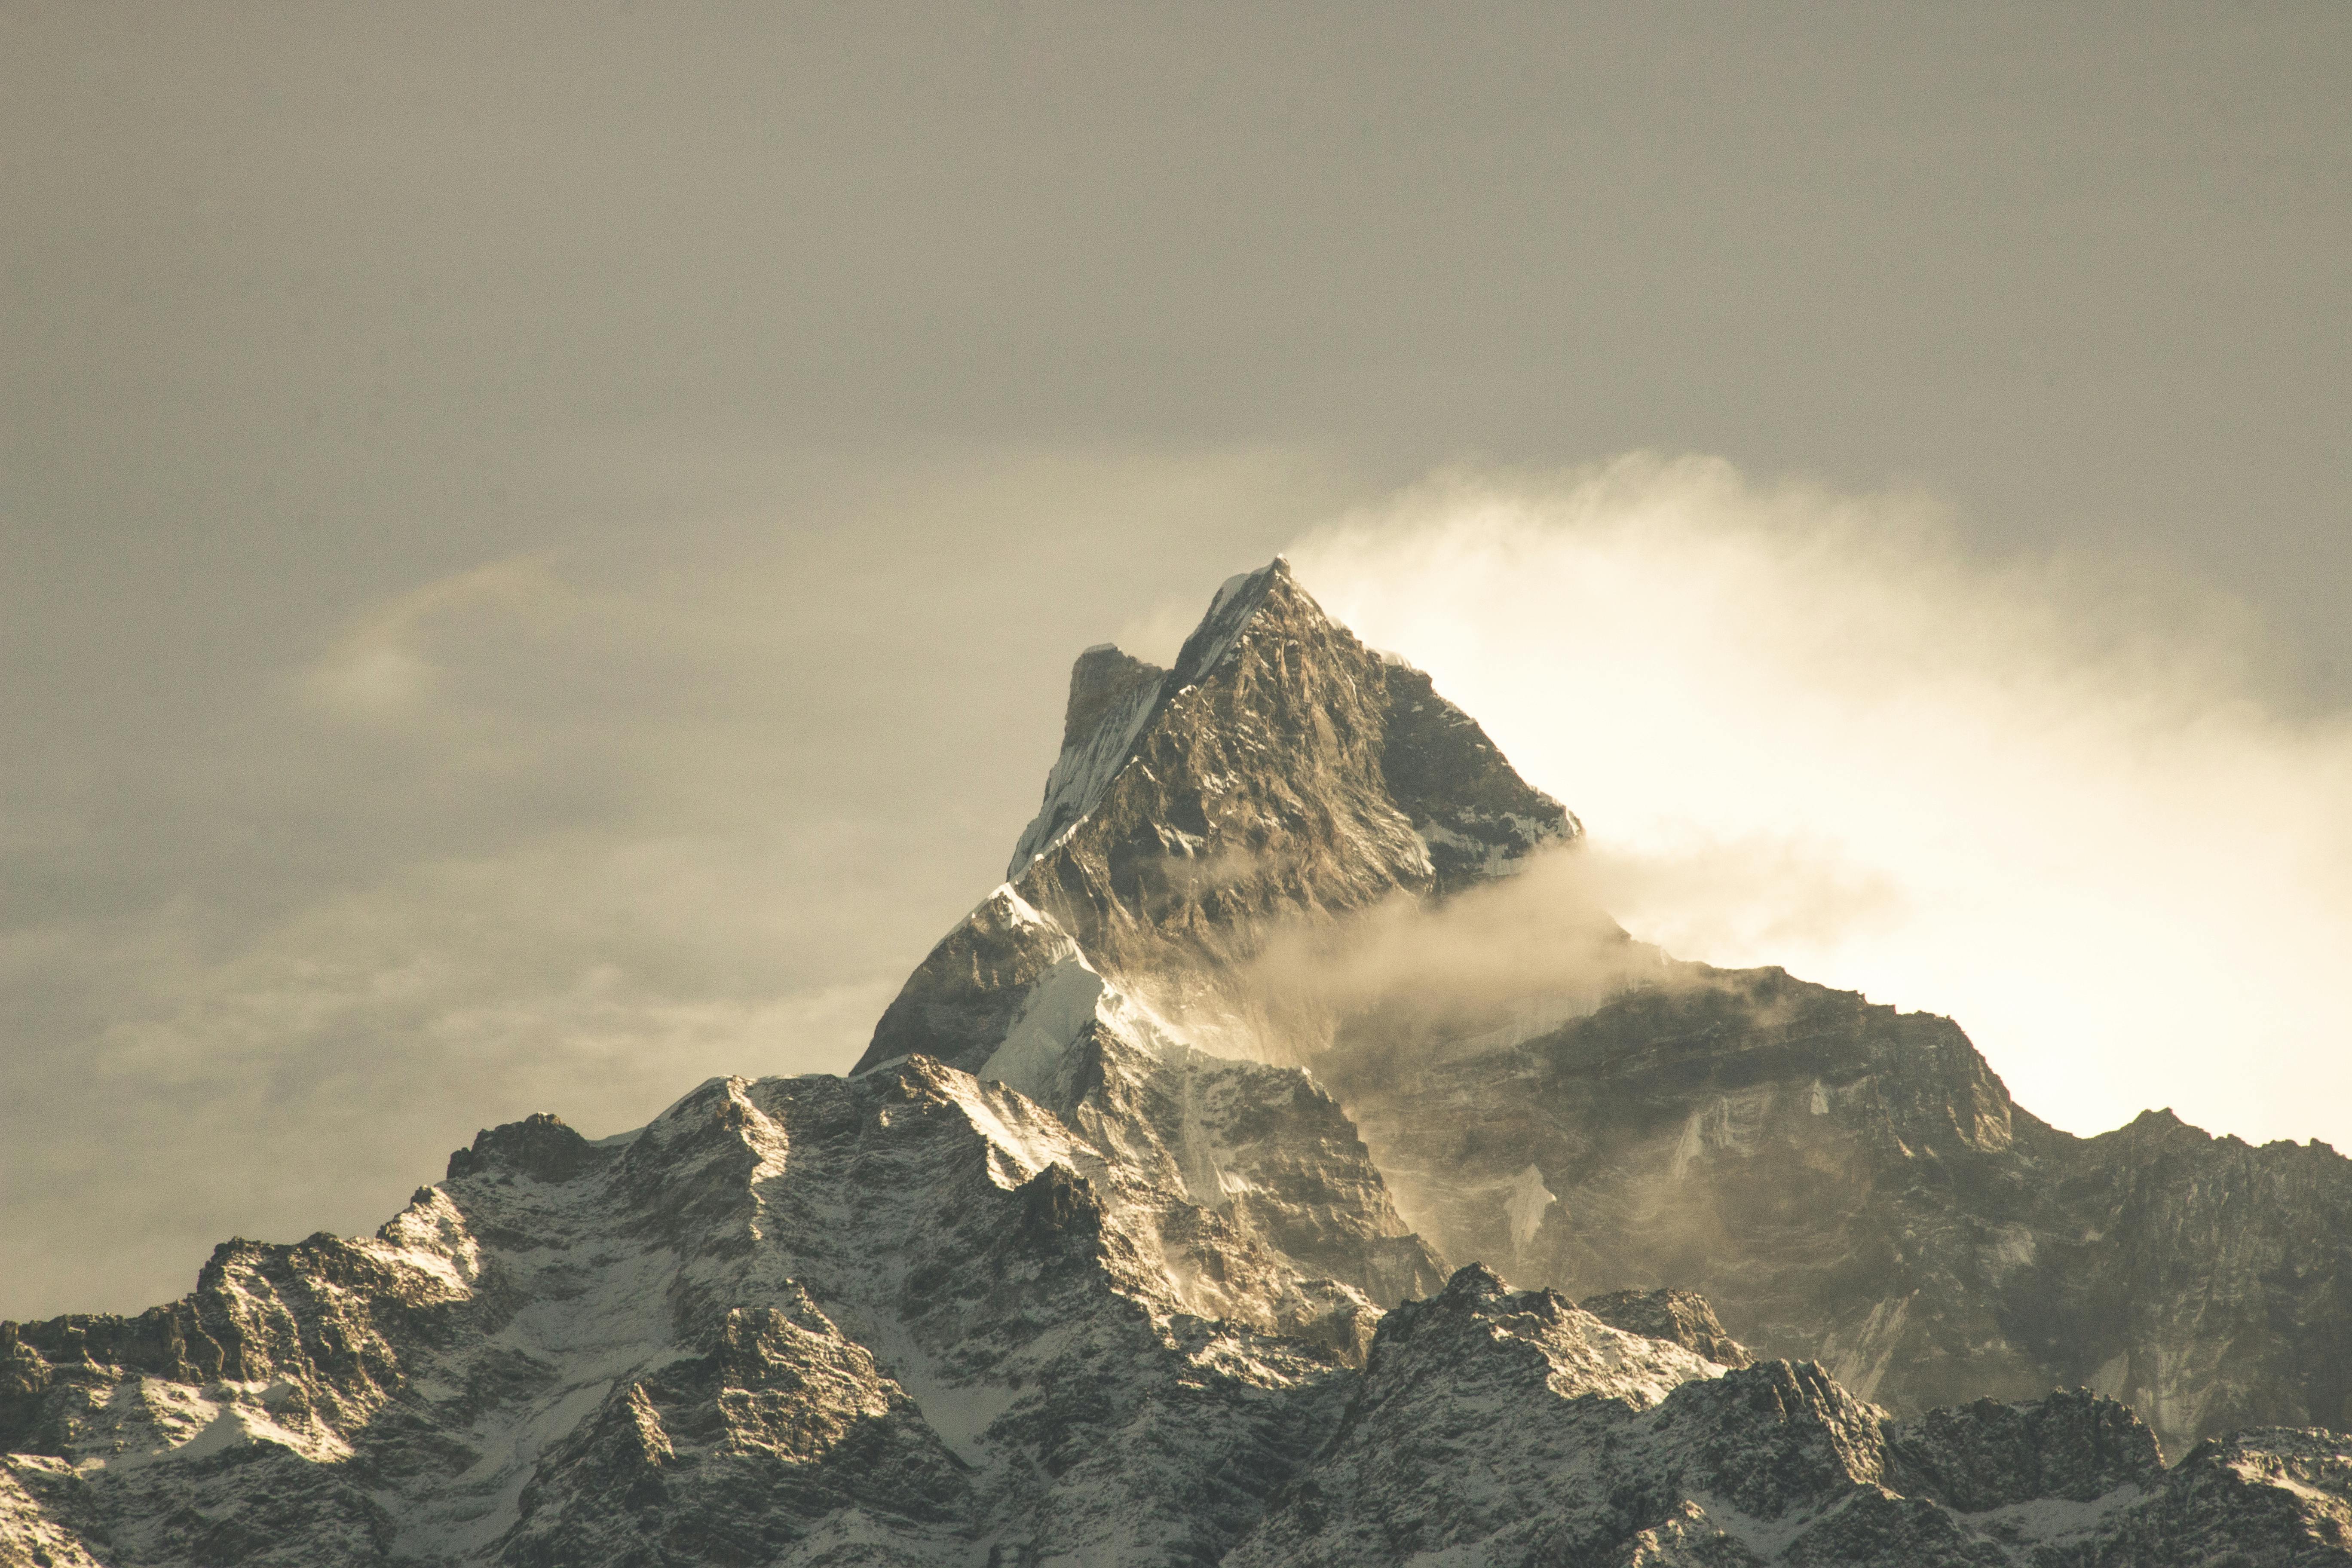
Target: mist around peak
pixel 2070 801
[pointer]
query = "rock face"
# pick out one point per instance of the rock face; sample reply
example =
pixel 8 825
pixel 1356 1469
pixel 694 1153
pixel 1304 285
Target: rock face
pixel 1081 1266
pixel 1850 1185
pixel 1623 1450
pixel 1678 1316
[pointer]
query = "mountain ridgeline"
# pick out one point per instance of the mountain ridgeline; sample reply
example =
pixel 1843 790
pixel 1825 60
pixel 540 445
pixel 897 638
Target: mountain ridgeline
pixel 1288 1163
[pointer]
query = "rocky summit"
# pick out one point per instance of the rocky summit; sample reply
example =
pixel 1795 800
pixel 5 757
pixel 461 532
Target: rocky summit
pixel 1286 1164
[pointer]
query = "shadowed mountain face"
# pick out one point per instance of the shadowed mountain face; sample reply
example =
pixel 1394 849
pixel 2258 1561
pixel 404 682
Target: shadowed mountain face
pixel 1852 1185
pixel 1081 1266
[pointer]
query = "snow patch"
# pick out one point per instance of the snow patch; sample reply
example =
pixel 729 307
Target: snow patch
pixel 1022 1141
pixel 1237 600
pixel 1061 1003
pixel 2009 1248
pixel 185 1422
pixel 1729 1124
pixel 2050 1521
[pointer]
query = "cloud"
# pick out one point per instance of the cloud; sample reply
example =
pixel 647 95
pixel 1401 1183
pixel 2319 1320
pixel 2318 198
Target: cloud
pixel 2062 799
pixel 1510 958
pixel 384 667
pixel 315 1071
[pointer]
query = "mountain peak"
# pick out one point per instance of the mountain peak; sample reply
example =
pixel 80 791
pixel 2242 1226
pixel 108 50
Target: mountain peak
pixel 1276 657
pixel 1240 599
pixel 1103 675
pixel 1279 771
pixel 1113 694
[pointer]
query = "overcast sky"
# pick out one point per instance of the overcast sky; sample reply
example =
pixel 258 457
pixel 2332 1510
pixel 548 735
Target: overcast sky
pixel 540 546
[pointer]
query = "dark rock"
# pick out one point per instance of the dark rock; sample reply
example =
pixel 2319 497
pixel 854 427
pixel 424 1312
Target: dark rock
pixel 1099 679
pixel 1682 1316
pixel 1986 1454
pixel 539 1146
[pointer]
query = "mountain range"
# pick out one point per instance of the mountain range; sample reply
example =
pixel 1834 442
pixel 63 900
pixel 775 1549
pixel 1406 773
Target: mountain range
pixel 1289 1162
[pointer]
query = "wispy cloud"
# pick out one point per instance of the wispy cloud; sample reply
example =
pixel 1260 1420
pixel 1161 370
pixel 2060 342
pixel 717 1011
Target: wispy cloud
pixel 2058 798
pixel 384 666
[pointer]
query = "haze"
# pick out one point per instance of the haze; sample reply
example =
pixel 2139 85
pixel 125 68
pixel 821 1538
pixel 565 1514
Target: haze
pixel 539 547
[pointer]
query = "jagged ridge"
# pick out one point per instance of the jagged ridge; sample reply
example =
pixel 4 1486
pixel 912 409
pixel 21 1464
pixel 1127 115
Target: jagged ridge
pixel 1848 1183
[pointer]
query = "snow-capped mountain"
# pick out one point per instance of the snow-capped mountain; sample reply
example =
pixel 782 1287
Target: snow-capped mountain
pixel 1282 774
pixel 1123 1245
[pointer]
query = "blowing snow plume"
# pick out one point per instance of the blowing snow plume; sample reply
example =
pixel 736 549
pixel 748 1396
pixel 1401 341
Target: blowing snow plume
pixel 2053 797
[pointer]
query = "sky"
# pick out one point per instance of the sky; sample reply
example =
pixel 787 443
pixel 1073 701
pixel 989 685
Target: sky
pixel 541 546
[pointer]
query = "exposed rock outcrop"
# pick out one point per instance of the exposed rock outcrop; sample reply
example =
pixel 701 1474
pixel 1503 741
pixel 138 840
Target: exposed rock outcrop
pixel 1620 1451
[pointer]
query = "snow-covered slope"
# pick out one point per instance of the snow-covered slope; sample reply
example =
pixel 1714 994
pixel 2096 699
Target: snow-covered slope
pixel 914 1318
pixel 908 1317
